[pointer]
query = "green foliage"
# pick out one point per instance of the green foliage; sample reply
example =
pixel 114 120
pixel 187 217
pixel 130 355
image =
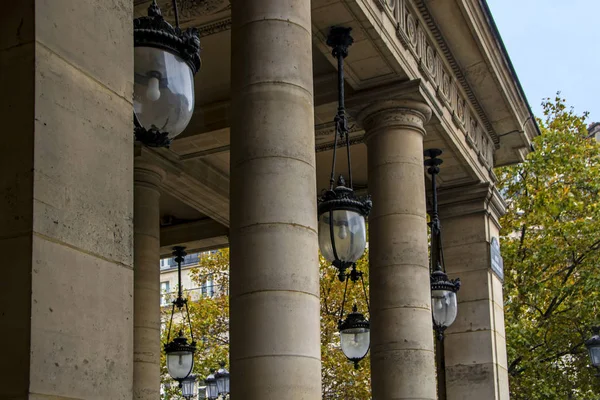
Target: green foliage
pixel 209 317
pixel 551 237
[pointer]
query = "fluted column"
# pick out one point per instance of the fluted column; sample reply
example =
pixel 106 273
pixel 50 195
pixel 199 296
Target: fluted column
pixel 146 295
pixel 402 355
pixel 274 309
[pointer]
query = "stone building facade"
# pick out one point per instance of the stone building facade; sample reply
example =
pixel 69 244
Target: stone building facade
pixel 81 204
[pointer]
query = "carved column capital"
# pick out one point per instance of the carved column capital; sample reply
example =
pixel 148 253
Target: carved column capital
pixel 385 114
pixel 147 174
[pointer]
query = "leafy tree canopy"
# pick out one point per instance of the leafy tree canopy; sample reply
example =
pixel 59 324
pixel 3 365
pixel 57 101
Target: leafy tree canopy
pixel 551 237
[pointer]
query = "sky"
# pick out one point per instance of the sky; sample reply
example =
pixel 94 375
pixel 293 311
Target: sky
pixel 554 46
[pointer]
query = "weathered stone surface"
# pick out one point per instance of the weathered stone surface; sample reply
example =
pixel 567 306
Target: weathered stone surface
pixel 66 200
pixel 274 325
pixel 259 248
pixel 473 381
pixel 93 35
pixel 82 329
pixel 475 347
pixel 402 358
pixel 146 347
pixel 83 151
pixel 305 371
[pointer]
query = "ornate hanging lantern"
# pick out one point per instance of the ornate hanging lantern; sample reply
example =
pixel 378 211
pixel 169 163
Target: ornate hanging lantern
pixel 355 330
pixel 180 353
pixel 342 230
pixel 212 390
pixel 166 60
pixel 188 388
pixel 444 305
pixel 222 377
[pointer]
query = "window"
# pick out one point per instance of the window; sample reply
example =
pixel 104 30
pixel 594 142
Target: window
pixel 165 288
pixel 207 287
pixel 166 263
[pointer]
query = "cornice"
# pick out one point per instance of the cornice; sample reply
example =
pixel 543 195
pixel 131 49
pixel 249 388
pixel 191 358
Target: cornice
pixel 438 70
pixel 443 46
pixel 472 199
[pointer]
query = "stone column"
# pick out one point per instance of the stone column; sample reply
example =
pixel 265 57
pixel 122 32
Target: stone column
pixel 66 200
pixel 402 356
pixel 146 281
pixel 274 320
pixel 475 344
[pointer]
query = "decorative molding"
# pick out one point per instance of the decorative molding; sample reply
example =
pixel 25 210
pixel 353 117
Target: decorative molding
pixel 441 70
pixel 190 9
pixel 214 27
pixel 329 145
pixel 328 128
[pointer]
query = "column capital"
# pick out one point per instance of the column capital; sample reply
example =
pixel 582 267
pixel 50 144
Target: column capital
pixel 400 113
pixel 471 199
pixel 147 173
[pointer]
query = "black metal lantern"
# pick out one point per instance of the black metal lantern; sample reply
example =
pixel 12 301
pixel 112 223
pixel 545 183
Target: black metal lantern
pixel 593 347
pixel 212 391
pixel 188 388
pixel 180 353
pixel 355 330
pixel 166 60
pixel 342 231
pixel 355 336
pixel 222 377
pixel 444 304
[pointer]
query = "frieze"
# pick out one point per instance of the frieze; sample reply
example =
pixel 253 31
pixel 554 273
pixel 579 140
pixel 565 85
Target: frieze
pixel 214 27
pixel 442 71
pixel 329 145
pixel 190 9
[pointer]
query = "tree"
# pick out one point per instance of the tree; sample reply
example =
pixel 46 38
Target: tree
pixel 551 238
pixel 209 317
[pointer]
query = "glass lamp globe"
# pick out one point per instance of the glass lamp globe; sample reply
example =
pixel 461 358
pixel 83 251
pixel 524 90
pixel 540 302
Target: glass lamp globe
pixel 163 90
pixel 342 228
pixel 593 346
pixel 188 387
pixel 212 390
pixel 444 307
pixel 355 336
pixel 180 358
pixel 348 236
pixel 444 304
pixel 222 377
pixel 166 58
